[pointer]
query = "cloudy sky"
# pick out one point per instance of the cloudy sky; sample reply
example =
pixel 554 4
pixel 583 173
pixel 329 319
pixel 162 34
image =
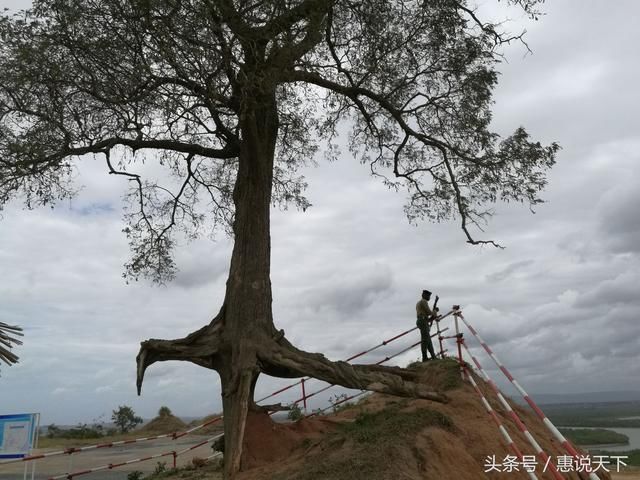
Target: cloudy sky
pixel 560 305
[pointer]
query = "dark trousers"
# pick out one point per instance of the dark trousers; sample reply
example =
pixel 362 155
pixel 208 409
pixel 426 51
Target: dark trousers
pixel 425 340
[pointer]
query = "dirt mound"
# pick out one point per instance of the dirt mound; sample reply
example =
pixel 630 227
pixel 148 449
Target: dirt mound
pixel 386 437
pixel 212 429
pixel 163 424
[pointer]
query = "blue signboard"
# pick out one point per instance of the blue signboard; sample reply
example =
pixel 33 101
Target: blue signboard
pixel 17 434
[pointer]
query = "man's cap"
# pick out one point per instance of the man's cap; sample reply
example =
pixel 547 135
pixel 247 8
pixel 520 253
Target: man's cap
pixel 426 292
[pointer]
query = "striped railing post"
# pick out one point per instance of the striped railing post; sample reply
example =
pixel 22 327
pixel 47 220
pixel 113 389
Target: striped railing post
pixel 547 423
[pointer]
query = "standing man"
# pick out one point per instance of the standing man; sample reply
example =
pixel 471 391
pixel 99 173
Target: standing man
pixel 425 318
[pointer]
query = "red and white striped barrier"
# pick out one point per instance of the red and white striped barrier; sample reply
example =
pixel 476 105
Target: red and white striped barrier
pixel 521 426
pixel 72 450
pixel 552 428
pixel 514 448
pixel 111 466
pixel 208 440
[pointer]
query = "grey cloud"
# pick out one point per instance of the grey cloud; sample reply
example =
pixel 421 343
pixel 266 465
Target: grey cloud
pixel 508 271
pixel 624 289
pixel 202 263
pixel 351 294
pixel 619 217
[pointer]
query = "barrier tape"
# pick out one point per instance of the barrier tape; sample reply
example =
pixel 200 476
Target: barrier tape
pixel 497 421
pixel 111 466
pixel 552 428
pixel 521 426
pixel 209 440
pixel 69 451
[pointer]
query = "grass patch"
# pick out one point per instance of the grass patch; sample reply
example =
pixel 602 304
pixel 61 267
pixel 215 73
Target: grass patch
pixel 373 441
pixel 443 374
pixel 452 378
pixel 588 436
pixel 211 470
pixel 387 425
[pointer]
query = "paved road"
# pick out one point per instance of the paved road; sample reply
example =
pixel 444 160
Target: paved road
pixel 113 475
pixel 61 464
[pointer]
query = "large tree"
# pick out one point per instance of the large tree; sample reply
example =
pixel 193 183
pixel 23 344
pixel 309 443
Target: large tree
pixel 233 97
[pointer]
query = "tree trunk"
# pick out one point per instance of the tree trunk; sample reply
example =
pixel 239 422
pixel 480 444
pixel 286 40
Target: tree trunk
pixel 248 319
pixel 242 341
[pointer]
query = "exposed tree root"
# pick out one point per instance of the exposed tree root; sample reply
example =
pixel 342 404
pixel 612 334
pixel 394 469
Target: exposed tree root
pixel 376 378
pixel 200 347
pixel 239 361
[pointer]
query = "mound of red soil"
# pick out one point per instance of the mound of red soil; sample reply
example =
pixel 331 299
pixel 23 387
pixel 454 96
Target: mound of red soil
pixel 163 424
pixel 386 437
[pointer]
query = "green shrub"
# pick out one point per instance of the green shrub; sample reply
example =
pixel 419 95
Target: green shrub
pixel 81 431
pixel 161 467
pixel 164 412
pixel 295 412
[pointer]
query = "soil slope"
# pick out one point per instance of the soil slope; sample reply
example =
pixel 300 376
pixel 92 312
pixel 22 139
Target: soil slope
pixel 385 437
pixel 390 438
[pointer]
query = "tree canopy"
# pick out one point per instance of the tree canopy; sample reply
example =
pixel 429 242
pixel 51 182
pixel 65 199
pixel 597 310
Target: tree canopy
pixel 169 80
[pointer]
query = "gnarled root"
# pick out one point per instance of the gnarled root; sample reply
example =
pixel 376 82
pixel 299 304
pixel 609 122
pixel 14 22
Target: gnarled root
pixel 240 359
pixel 199 347
pixel 376 378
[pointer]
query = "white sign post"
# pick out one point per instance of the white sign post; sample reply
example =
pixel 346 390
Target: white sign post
pixel 19 436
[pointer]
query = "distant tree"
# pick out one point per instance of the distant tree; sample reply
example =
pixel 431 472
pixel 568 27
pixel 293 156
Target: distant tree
pixel 53 431
pixel 8 338
pixel 164 412
pixel 233 97
pixel 125 418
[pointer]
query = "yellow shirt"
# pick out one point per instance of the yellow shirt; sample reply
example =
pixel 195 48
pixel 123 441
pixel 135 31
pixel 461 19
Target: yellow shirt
pixel 422 309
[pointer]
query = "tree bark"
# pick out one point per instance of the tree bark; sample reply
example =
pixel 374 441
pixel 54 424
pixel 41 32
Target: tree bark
pixel 241 341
